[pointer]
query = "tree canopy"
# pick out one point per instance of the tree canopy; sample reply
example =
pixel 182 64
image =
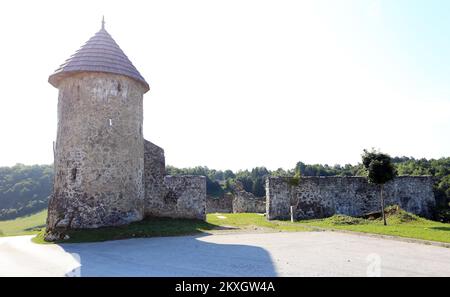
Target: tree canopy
pixel 379 167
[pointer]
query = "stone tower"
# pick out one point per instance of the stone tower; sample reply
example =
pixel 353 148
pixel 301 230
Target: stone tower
pixel 99 149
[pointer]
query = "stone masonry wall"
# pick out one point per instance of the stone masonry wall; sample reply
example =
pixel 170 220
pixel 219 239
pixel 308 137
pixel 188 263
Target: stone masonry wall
pixel 99 153
pixel 245 202
pixel 222 204
pixel 318 197
pixel 185 197
pixel 240 201
pixel 171 196
pixel 154 173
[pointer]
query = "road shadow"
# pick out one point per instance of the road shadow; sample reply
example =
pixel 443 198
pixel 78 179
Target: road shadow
pixel 181 256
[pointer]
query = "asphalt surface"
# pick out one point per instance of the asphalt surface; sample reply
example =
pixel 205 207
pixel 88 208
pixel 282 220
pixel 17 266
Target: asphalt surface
pixel 259 254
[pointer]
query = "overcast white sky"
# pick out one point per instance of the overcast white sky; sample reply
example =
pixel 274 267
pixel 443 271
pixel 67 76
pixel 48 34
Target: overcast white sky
pixel 238 84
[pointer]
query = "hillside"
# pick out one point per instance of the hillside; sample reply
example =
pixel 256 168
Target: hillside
pixel 24 225
pixel 24 189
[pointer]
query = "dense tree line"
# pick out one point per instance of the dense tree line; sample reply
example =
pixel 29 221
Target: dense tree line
pixel 438 168
pixel 25 189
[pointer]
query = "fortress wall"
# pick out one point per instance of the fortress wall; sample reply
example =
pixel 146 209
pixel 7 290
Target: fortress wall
pixel 222 204
pixel 245 202
pixel 171 196
pixel 154 173
pixel 185 197
pixel 319 197
pixel 240 201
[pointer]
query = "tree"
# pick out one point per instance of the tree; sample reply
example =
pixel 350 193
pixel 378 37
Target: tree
pixel 228 174
pixel 24 189
pixel 380 170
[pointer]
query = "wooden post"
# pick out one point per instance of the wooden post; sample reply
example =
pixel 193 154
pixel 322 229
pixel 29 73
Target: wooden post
pixel 292 214
pixel 383 214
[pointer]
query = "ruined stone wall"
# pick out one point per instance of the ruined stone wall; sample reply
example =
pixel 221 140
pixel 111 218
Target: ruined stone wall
pixel 245 202
pixel 239 201
pixel 171 196
pixel 99 152
pixel 222 204
pixel 185 197
pixel 318 197
pixel 155 171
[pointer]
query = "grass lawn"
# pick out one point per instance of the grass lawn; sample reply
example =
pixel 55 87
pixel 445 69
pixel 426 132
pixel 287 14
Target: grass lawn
pixel 252 221
pixel 23 225
pixel 400 223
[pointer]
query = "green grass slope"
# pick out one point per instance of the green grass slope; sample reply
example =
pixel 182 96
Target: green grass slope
pixel 400 223
pixel 23 225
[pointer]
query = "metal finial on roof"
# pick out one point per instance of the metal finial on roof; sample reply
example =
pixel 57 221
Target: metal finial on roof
pixel 103 22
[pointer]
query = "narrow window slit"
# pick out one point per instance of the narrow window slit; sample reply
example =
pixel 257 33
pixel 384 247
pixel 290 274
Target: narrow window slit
pixel 74 174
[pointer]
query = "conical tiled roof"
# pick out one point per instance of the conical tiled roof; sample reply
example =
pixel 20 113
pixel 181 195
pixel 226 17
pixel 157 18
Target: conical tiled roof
pixel 100 54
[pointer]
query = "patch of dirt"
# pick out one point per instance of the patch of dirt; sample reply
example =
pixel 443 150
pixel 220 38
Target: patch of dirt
pixel 345 220
pixel 398 213
pixel 393 212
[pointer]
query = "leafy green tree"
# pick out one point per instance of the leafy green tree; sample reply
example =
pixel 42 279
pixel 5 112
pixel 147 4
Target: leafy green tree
pixel 228 174
pixel 246 182
pixel 380 170
pixel 281 172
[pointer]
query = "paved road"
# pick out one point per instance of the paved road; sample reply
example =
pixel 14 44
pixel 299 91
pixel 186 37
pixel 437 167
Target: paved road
pixel 263 254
